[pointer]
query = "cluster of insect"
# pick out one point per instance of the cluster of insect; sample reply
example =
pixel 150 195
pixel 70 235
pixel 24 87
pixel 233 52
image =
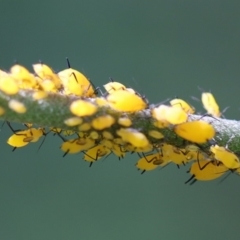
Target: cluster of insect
pixel 114 128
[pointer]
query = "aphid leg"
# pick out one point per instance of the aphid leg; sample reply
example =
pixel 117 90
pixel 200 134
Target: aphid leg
pixel 193 181
pixel 201 168
pixel 59 134
pixel 66 153
pixel 192 177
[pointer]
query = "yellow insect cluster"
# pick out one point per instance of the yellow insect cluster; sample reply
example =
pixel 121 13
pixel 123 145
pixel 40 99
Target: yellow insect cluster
pixel 108 123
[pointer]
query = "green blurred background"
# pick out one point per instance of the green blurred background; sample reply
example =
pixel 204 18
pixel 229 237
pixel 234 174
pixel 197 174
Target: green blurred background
pixel 162 49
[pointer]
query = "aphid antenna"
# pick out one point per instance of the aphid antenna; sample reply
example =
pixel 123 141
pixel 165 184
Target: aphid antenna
pixel 44 138
pixel 111 79
pixel 158 104
pixel 107 156
pixel 202 89
pixel 195 98
pixel 143 96
pixel 224 178
pixel 2 125
pixel 224 110
pixel 208 115
pixel 164 166
pixel 98 89
pixel 229 140
pixel 135 82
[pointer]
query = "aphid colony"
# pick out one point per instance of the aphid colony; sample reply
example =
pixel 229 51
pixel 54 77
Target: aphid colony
pixel 98 134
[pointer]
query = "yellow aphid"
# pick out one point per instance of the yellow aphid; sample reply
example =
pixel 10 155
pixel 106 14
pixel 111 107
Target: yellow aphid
pixel 95 153
pixel 119 141
pixel 3 73
pixel 94 135
pixel 176 115
pixel 107 135
pixel 38 95
pixel 23 77
pixel 118 150
pixel 46 85
pixel 173 154
pixel 76 83
pixel 107 143
pixel 159 114
pixel 124 121
pixel 114 86
pixel 17 106
pixel 103 122
pixel 225 156
pixel 179 103
pixel 36 133
pixel 100 101
pixel 2 111
pixel 169 114
pixel 161 124
pixel 8 85
pixel 146 163
pixel 150 162
pixel 210 104
pixel 55 130
pixel 134 137
pixel 18 139
pixel 193 152
pixel 205 171
pixel 28 125
pixel 82 108
pixel 132 148
pixel 84 127
pixel 77 145
pixel 46 73
pixel 126 101
pixel 73 121
pixel 155 134
pixel 197 131
pixel 69 132
pixel 24 137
